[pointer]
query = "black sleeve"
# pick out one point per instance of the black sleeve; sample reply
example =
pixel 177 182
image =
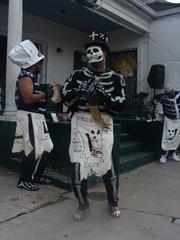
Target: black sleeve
pixel 116 100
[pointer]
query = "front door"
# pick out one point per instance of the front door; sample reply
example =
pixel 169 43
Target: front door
pixel 125 62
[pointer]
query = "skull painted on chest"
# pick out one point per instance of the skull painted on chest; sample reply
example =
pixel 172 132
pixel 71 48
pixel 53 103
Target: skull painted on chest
pixel 94 54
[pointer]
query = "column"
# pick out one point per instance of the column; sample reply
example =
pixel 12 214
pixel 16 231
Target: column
pixel 143 63
pixel 14 36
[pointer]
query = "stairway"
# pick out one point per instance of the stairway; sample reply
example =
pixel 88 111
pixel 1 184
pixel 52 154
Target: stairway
pixel 129 152
pixel 132 153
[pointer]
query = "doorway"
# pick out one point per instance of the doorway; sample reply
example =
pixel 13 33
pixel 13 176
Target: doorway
pixel 125 62
pixel 80 60
pixel 3 52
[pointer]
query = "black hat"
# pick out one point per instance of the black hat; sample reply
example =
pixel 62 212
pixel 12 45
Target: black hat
pixel 98 39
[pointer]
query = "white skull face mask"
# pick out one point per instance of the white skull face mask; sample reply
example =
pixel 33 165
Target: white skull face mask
pixel 94 54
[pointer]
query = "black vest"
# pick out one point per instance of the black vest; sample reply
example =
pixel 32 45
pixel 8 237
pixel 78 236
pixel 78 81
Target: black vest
pixel 35 107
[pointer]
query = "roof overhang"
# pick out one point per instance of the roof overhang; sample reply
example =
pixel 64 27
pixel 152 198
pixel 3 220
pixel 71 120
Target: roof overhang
pixel 121 12
pixel 140 5
pixel 112 15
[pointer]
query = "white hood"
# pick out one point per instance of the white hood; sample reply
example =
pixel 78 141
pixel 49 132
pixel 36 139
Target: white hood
pixel 25 54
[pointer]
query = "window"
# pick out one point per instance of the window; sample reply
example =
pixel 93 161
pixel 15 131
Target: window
pixel 80 60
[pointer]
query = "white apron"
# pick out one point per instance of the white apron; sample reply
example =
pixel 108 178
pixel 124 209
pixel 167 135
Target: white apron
pixel 41 135
pixel 91 145
pixel 171 134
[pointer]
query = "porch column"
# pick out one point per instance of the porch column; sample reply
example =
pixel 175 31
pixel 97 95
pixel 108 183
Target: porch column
pixel 14 36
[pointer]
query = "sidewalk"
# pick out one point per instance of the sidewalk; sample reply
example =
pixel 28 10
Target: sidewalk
pixel 149 199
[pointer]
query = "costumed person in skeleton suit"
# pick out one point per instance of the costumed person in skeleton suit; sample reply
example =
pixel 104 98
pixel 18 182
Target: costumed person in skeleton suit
pixel 95 95
pixel 32 136
pixel 170 101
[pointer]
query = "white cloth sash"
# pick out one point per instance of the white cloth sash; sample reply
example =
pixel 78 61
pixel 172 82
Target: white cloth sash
pixel 171 134
pixel 41 135
pixel 91 145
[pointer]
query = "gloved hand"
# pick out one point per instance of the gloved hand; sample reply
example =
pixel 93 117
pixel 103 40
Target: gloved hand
pixel 93 99
pixel 82 89
pixel 100 91
pixel 49 92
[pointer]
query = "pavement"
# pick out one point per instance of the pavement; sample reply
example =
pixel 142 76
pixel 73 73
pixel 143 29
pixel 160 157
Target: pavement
pixel 149 199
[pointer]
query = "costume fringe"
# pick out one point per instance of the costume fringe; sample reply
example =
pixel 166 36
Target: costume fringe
pixel 94 110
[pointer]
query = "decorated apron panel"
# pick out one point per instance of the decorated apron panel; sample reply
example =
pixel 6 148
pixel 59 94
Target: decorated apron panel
pixel 91 145
pixel 171 134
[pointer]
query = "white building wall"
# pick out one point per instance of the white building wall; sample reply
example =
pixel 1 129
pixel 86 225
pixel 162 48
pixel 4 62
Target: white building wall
pixel 160 47
pixel 124 40
pixel 59 64
pixel 52 35
pixel 164 47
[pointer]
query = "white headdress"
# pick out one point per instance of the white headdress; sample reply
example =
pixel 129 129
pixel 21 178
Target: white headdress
pixel 25 54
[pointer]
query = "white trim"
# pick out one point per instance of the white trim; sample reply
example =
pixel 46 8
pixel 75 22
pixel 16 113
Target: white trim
pixel 117 11
pixel 149 11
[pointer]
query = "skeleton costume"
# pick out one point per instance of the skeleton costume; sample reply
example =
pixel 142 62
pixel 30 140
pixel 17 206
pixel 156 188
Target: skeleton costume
pixel 32 136
pixel 92 140
pixel 171 128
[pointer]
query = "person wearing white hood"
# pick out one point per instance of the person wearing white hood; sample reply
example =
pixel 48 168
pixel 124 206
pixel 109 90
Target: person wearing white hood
pixel 170 101
pixel 32 136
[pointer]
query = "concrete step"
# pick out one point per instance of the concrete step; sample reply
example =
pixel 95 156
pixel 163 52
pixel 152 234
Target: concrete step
pixel 130 147
pixel 125 137
pixel 134 160
pixel 58 179
pixel 126 163
pixel 130 156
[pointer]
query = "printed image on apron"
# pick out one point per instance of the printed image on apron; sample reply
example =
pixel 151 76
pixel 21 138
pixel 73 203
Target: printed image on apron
pixel 171 134
pixel 91 146
pixel 40 133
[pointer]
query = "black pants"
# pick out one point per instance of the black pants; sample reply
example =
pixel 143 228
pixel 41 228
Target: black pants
pixel 168 153
pixel 32 168
pixel 111 182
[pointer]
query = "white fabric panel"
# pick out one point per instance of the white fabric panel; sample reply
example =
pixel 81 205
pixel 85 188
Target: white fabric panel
pixel 41 135
pixel 91 145
pixel 171 134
